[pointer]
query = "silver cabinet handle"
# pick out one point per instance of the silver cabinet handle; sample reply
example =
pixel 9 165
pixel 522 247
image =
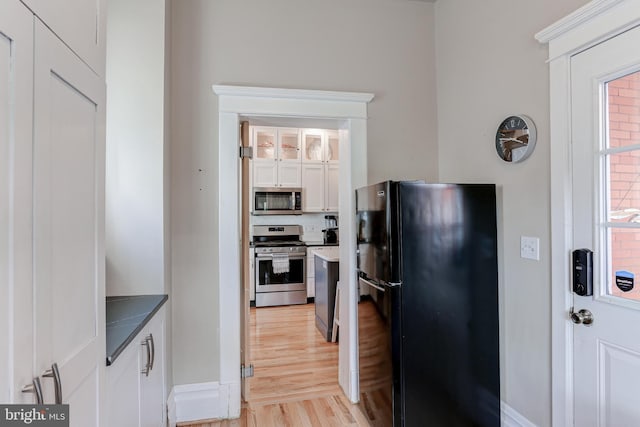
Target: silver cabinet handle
pixel 55 374
pixel 34 388
pixel 147 368
pixel 153 351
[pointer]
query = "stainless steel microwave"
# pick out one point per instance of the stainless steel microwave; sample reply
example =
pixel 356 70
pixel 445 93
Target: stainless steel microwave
pixel 277 201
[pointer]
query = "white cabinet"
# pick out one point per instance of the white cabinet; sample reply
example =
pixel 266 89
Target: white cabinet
pixel 80 23
pixel 56 194
pixel 136 382
pixel 16 113
pixel 276 158
pixel 320 170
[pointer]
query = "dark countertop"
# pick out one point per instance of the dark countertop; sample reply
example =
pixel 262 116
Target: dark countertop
pixel 126 316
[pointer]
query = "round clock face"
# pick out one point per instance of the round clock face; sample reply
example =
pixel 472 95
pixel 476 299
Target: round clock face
pixel 515 138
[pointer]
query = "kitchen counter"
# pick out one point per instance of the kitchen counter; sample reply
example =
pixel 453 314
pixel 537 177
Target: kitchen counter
pixel 126 316
pixel 330 254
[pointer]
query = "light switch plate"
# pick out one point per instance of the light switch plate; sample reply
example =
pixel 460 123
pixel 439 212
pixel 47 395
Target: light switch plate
pixel 530 247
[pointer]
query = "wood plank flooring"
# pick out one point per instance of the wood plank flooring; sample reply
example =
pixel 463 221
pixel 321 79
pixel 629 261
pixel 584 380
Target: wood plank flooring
pixel 295 379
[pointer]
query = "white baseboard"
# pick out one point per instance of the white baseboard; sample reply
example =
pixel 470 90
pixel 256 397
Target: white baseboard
pixel 203 401
pixel 512 418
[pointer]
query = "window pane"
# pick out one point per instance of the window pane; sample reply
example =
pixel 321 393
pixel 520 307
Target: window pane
pixel 625 263
pixel 624 110
pixel 624 186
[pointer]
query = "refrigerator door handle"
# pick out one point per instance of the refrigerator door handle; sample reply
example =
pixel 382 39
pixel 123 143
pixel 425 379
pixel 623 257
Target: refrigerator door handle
pixel 370 283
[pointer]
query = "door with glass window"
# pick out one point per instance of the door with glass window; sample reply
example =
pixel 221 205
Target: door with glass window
pixel 605 133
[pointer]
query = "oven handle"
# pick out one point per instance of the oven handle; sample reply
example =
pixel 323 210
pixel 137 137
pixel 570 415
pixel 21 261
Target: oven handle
pixel 290 255
pixel 370 283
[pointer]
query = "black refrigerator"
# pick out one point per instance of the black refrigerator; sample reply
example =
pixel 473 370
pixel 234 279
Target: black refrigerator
pixel 428 309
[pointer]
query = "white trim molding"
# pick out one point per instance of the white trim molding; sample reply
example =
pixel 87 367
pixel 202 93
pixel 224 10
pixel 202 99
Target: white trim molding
pixel 593 23
pixel 597 21
pixel 201 401
pixel 349 112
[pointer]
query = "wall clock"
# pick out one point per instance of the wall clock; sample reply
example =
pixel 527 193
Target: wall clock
pixel 516 138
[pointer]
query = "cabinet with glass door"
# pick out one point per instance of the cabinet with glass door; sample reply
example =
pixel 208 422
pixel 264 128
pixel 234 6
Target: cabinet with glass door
pixel 277 156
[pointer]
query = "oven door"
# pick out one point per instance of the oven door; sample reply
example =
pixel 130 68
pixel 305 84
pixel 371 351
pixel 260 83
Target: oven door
pixel 293 280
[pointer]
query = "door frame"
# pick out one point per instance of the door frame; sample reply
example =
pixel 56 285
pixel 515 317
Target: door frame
pixel 350 110
pixel 592 24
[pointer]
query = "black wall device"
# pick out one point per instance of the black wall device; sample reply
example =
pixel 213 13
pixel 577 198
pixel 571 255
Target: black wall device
pixel 583 272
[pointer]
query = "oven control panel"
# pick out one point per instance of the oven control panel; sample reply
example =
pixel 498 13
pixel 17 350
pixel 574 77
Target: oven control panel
pixel 280 250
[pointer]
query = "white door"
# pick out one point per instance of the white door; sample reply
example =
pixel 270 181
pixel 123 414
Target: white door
pixel 16 123
pixel 606 218
pixel 68 205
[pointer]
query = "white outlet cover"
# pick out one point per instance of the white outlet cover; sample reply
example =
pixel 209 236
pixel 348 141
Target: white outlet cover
pixel 530 247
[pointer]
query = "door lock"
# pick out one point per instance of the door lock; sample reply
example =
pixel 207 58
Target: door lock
pixel 581 317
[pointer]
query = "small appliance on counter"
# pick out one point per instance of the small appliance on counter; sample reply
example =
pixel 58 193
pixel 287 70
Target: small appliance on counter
pixel 331 229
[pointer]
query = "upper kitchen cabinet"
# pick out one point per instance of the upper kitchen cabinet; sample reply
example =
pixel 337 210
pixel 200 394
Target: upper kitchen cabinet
pixel 80 23
pixel 320 146
pixel 320 170
pixel 276 161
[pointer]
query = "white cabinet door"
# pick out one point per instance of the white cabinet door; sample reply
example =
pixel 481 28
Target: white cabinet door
pixel 289 174
pixel 135 398
pixel 289 145
pixel 16 113
pixel 313 187
pixel 123 388
pixel 332 149
pixel 152 399
pixel 313 145
pixel 333 187
pixel 265 173
pixel 263 140
pixel 68 204
pixel 80 23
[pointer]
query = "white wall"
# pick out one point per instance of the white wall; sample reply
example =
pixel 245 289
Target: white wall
pixel 380 46
pixel 489 66
pixel 135 191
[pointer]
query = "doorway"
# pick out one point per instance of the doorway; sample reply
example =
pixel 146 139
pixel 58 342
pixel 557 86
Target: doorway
pixel 283 354
pixel 350 110
pixel 582 158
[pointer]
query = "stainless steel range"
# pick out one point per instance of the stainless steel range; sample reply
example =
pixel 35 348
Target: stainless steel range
pixel 280 265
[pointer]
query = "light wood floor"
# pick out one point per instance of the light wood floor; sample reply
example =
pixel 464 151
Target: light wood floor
pixel 295 379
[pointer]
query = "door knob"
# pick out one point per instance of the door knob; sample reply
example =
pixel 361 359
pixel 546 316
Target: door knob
pixel 581 317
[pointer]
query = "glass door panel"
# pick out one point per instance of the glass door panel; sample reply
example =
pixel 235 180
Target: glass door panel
pixel 265 144
pixel 313 146
pixel 289 144
pixel 620 159
pixel 332 146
